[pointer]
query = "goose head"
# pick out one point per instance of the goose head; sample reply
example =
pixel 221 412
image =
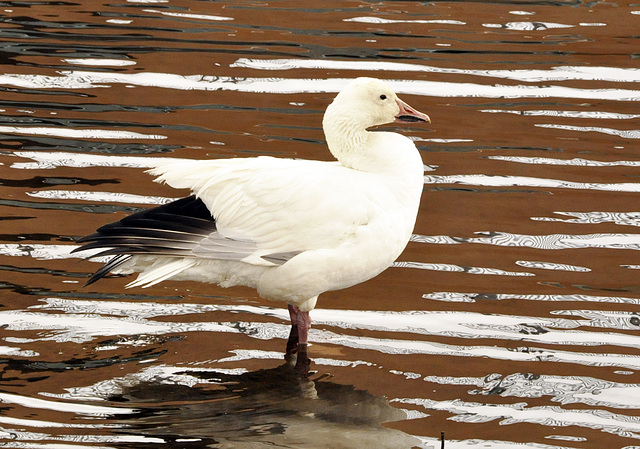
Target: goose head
pixel 364 103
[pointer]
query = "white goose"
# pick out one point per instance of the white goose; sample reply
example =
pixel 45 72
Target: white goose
pixel 292 229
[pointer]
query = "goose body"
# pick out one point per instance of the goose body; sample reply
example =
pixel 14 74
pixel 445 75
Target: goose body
pixel 292 229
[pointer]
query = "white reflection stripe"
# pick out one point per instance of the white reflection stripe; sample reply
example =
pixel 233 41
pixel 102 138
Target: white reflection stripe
pixel 627 134
pixel 549 241
pixel 17 422
pixel 459 269
pixel 46 252
pixel 90 80
pixel 477 443
pixel 126 198
pixel 83 409
pixel 82 328
pixel 15 352
pixel 78 133
pixel 473 297
pixel 99 61
pixel 33 445
pixel 570 114
pixel 619 395
pixel 574 162
pixel 189 16
pixel 79 160
pixel 79 328
pixel 562 389
pixel 471 325
pixel 140 309
pixel 526 181
pixel 420 139
pixel 527 26
pixel 560 73
pixel 619 218
pixel 546 415
pixel 381 20
pixel 550 266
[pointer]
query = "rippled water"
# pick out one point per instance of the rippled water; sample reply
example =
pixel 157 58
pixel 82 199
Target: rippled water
pixel 512 318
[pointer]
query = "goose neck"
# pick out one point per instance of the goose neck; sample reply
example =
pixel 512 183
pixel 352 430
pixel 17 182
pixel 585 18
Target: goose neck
pixel 346 140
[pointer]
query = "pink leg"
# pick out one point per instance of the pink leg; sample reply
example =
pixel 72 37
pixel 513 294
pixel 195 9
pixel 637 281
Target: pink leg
pixel 298 338
pixel 292 343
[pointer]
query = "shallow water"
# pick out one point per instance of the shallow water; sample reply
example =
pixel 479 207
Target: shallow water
pixel 510 320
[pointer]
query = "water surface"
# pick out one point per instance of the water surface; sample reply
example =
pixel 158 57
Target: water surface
pixel 510 320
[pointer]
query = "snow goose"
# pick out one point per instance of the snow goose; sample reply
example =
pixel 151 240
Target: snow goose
pixel 290 228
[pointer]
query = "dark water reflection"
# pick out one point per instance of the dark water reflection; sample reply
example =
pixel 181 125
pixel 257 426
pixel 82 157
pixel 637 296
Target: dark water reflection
pixel 510 320
pixel 265 408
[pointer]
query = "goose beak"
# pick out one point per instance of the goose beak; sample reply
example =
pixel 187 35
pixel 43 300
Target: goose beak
pixel 409 115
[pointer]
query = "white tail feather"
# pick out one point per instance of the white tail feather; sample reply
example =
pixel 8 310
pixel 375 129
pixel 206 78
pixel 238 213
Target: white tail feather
pixel 161 272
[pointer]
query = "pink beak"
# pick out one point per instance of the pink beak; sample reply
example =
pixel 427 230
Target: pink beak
pixel 409 115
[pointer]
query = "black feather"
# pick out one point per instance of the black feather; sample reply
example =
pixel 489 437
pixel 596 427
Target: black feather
pixel 172 229
pixel 108 267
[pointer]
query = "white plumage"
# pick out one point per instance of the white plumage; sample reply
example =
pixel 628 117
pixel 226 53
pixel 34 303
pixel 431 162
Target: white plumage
pixel 292 229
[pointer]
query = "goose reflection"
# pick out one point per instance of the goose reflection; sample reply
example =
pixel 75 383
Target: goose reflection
pixel 265 408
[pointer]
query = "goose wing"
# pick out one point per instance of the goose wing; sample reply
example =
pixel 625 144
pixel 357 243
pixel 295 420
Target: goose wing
pixel 283 206
pixel 261 211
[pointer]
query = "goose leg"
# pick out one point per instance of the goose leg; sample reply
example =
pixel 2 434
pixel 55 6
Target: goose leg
pixel 303 362
pixel 298 339
pixel 292 342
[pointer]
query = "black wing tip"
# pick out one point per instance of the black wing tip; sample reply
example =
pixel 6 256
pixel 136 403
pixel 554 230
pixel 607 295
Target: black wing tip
pixel 93 279
pixel 107 268
pixel 150 231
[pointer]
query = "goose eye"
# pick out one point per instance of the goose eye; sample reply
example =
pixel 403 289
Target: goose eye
pixel 383 97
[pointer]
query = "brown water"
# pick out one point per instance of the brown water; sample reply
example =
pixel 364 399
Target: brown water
pixel 512 318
